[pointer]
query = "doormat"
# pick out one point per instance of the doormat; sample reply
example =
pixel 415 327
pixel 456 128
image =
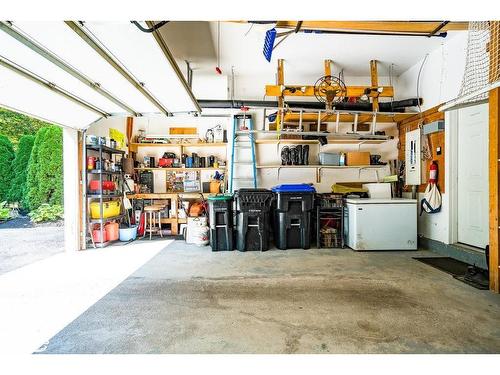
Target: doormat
pixel 461 271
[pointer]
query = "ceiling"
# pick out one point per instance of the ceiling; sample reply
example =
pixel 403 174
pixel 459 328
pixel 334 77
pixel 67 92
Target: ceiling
pixel 241 46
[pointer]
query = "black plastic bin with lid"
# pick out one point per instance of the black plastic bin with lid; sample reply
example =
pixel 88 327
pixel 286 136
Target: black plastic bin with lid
pixel 220 217
pixel 292 225
pixel 252 208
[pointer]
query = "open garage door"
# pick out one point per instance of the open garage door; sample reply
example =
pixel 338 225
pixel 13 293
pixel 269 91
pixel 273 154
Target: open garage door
pixel 74 73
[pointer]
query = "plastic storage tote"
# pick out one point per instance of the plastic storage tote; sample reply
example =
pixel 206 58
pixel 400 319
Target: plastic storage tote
pixel 252 208
pixel 220 216
pixel 109 209
pixel 329 158
pixel 292 217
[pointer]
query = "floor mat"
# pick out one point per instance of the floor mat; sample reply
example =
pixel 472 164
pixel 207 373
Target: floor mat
pixel 449 265
pixel 457 269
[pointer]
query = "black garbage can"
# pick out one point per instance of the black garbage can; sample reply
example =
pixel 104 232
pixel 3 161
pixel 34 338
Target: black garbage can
pixel 220 217
pixel 252 207
pixel 292 216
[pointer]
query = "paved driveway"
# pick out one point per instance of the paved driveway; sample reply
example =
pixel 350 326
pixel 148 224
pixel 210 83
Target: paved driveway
pixel 22 246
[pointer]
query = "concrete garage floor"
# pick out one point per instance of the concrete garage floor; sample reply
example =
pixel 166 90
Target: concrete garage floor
pixel 190 300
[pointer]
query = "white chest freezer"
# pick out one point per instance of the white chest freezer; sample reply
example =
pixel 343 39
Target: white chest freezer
pixel 381 224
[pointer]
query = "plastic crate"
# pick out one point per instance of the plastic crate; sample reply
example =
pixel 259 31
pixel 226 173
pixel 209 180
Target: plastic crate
pixel 330 200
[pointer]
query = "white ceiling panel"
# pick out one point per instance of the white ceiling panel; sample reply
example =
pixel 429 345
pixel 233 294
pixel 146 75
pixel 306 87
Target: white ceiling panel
pixel 32 61
pixel 65 43
pixel 140 54
pixel 25 96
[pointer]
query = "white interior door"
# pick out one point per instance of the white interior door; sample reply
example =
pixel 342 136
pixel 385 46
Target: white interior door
pixel 472 179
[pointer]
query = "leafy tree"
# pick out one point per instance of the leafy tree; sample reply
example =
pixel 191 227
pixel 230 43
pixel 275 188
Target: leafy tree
pixel 44 182
pixel 14 125
pixel 6 173
pixel 20 168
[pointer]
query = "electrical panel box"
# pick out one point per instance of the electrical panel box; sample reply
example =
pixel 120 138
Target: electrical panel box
pixel 413 158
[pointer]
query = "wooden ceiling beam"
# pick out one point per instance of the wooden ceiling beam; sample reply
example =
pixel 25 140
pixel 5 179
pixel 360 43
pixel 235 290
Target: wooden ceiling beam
pixel 424 27
pixel 296 90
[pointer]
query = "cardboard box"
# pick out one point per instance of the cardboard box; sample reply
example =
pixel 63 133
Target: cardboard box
pixel 357 158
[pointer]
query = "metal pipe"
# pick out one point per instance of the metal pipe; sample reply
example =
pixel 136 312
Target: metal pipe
pixel 396 106
pixel 88 38
pixel 441 25
pixel 151 29
pixel 32 44
pixel 166 51
pixel 354 32
pixel 51 86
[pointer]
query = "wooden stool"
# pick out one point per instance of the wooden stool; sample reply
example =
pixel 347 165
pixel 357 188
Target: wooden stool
pixel 153 213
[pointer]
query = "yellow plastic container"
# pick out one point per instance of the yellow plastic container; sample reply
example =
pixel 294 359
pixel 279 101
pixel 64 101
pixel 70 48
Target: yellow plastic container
pixel 110 209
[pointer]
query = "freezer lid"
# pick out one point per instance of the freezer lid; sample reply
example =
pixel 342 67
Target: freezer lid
pixel 380 201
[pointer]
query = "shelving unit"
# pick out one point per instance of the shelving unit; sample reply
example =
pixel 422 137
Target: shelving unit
pixel 318 168
pixel 171 169
pixel 174 198
pixel 330 214
pixel 135 146
pixel 314 141
pixel 100 196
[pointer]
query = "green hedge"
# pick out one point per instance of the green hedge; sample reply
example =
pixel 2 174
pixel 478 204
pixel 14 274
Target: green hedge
pixel 44 182
pixel 6 171
pixel 14 125
pixel 20 168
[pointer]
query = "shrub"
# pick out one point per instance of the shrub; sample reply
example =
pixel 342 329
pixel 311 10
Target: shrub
pixel 20 168
pixel 47 212
pixel 4 211
pixel 6 173
pixel 44 183
pixel 14 125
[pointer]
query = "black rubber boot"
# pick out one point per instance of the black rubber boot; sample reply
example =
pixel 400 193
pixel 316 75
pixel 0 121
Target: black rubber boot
pixel 292 153
pixel 300 159
pixel 285 155
pixel 305 155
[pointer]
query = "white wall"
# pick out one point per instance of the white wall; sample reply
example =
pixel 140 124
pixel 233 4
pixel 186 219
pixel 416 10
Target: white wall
pixel 441 74
pixel 71 190
pixel 440 81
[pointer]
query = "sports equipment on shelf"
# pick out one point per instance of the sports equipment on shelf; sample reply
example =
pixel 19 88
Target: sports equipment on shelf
pixel 329 90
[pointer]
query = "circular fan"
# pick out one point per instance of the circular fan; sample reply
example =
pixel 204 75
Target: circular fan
pixel 329 90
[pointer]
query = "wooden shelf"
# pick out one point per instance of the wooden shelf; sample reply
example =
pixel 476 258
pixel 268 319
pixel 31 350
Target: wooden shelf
pixel 165 195
pixel 320 166
pixel 135 146
pixel 181 169
pixel 344 117
pixel 287 141
pixel 331 141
